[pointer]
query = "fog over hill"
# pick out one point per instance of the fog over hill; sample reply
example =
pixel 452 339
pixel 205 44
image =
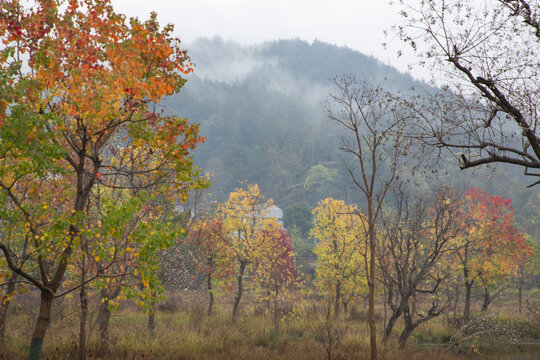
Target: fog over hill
pixel 260 110
pixel 292 67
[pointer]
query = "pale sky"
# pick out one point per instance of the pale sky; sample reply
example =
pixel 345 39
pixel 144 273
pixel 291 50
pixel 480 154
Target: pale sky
pixel 358 24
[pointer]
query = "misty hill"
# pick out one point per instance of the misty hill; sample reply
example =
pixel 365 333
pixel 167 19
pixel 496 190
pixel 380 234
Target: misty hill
pixel 291 66
pixel 260 110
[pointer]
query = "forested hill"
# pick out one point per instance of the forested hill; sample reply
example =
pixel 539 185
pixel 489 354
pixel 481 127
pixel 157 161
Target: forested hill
pixel 290 66
pixel 260 110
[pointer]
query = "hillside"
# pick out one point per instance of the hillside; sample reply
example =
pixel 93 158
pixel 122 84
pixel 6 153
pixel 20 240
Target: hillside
pixel 260 109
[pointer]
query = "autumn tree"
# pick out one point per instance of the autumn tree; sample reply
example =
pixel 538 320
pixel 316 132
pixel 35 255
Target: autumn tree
pixel 274 274
pixel 86 88
pixel 491 245
pixel 341 240
pixel 375 141
pixel 215 257
pixel 528 265
pixel 489 52
pixel 13 233
pixel 8 287
pixel 129 232
pixel 417 242
pixel 246 220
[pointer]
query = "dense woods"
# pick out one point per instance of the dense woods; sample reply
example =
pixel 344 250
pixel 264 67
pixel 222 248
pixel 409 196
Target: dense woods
pixel 284 200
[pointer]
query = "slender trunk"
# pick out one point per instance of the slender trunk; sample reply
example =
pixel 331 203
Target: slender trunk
pixel 468 285
pixel 267 302
pixel 329 351
pixel 520 294
pixel 4 305
pixel 152 318
pixel 44 318
pixel 83 298
pixel 520 300
pixel 413 306
pixel 487 300
pixel 467 309
pixel 385 305
pixel 104 317
pixel 371 283
pixel 276 308
pixel 337 300
pixel 345 307
pixel 210 294
pixel 239 290
pixel 456 302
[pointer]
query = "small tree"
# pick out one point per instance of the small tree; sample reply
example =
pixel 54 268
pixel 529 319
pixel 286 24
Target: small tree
pixel 528 265
pixel 490 244
pixel 328 329
pixel 417 242
pixel 341 240
pixel 216 258
pixel 274 273
pixel 245 221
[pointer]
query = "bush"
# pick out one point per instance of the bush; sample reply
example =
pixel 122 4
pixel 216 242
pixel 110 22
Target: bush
pixel 492 329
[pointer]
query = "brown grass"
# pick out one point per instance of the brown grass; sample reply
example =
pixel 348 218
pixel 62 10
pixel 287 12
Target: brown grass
pixel 184 331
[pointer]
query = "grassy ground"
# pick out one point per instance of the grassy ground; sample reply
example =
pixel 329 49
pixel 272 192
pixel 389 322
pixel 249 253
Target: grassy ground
pixel 184 331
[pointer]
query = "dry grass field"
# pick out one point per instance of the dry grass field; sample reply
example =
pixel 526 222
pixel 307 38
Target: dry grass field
pixel 185 331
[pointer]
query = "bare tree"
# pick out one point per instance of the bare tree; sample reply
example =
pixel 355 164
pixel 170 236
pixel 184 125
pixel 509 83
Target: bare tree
pixel 414 253
pixel 489 52
pixel 376 142
pixel 326 326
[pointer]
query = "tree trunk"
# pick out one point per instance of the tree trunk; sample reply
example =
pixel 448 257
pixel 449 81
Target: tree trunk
pixel 456 302
pixel 390 326
pixel 405 334
pixel 337 300
pixel 371 283
pixel 4 305
pixel 413 306
pixel 42 324
pixel 210 295
pixel 467 309
pixel 83 297
pixel 520 294
pixel 84 185
pixel 276 317
pixel 103 318
pixel 239 290
pixel 397 311
pixel 267 302
pixel 385 306
pixel 408 329
pixel 276 310
pixel 152 318
pixel 487 300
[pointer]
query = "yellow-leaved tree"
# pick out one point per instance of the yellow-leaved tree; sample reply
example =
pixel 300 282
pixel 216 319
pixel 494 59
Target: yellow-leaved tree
pixel 246 221
pixel 341 235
